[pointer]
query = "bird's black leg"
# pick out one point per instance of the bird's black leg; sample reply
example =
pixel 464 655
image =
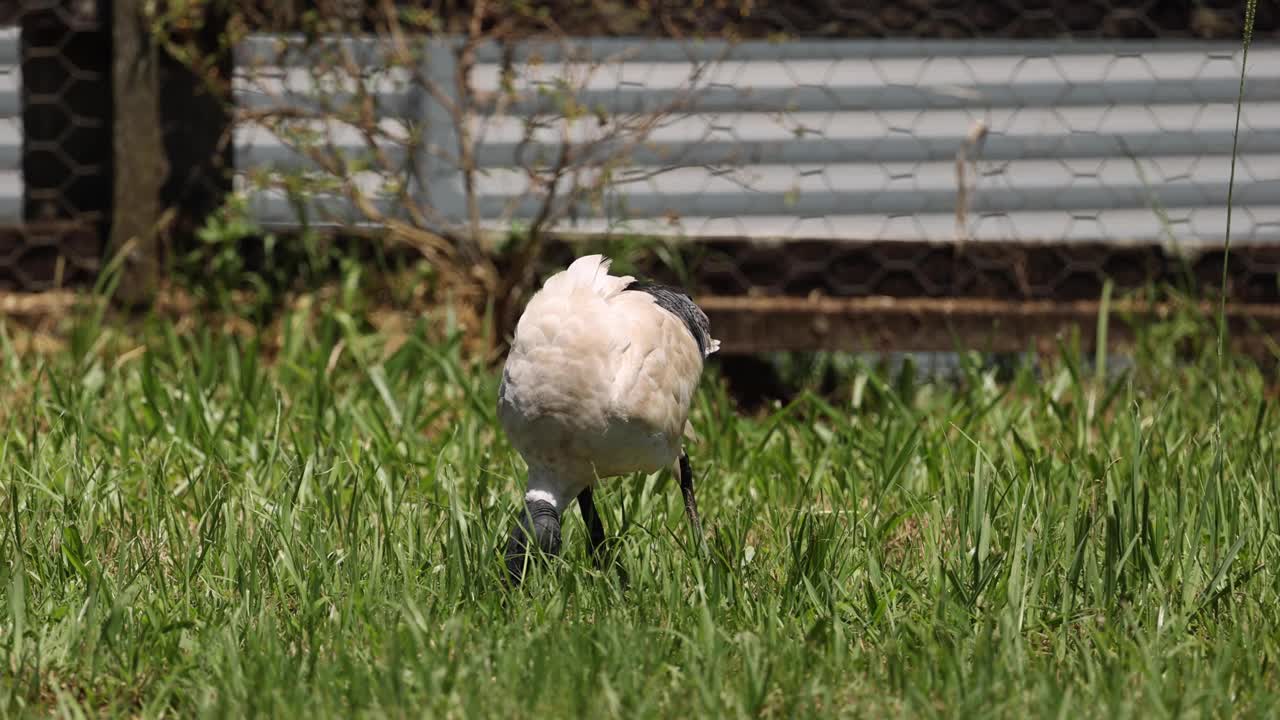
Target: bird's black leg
pixel 690 501
pixel 595 532
pixel 595 529
pixel 540 523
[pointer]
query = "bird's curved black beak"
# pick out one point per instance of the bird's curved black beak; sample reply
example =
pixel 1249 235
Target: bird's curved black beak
pixel 541 520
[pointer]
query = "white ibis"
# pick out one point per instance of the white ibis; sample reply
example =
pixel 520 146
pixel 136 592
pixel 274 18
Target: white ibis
pixel 598 384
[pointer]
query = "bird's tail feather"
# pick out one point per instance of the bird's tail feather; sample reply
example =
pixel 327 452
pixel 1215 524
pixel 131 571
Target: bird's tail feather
pixel 588 272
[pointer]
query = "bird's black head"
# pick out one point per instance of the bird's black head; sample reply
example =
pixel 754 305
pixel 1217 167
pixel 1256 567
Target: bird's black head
pixel 540 520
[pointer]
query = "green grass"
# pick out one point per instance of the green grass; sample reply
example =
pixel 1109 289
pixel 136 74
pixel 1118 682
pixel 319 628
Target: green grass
pixel 201 526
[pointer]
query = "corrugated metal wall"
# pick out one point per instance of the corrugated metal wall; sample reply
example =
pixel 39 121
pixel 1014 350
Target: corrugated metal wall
pixel 10 128
pixel 1124 142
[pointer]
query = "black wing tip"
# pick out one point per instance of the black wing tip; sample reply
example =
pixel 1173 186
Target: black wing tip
pixel 651 287
pixel 678 303
pixel 645 285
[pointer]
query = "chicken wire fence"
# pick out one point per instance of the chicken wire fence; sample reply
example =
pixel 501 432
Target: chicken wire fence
pixel 983 151
pixel 55 146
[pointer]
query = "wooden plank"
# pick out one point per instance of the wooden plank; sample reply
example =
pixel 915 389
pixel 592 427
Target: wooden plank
pixel 882 324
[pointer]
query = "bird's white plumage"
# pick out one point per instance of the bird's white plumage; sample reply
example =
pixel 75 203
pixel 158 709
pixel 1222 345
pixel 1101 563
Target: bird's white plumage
pixel 598 381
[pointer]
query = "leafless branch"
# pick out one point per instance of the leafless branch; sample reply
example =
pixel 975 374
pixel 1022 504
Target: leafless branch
pixel 964 158
pixel 336 124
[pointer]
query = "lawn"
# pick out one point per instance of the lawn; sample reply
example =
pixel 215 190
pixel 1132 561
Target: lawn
pixel 307 522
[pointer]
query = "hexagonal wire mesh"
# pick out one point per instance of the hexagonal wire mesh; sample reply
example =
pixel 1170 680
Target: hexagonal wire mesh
pixel 1032 169
pixel 1086 160
pixel 834 19
pixel 57 110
